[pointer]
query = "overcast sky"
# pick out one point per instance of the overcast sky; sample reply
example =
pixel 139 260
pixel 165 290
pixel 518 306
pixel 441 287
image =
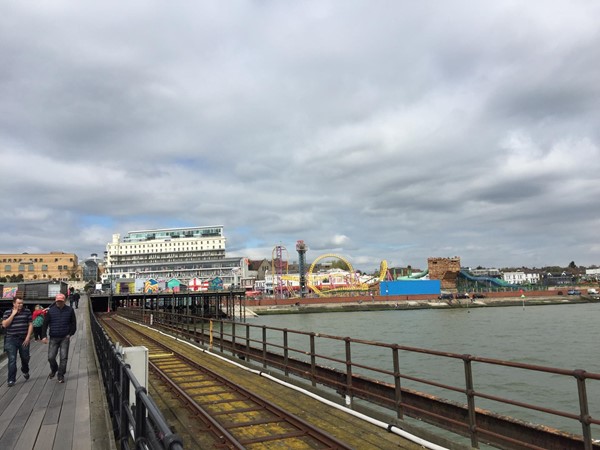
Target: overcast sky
pixel 393 130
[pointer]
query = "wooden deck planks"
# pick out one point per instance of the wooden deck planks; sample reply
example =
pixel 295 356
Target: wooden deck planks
pixel 42 414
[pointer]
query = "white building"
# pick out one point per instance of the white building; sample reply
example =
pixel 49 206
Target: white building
pixel 520 277
pixel 593 273
pixel 182 253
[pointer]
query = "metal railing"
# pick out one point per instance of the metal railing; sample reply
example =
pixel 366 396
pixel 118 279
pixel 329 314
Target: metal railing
pixel 347 366
pixel 138 426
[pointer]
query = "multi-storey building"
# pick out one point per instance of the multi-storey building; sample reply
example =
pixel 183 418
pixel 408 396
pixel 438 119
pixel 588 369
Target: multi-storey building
pixel 182 253
pixel 57 266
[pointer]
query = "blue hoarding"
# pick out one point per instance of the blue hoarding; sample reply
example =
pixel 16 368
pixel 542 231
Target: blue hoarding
pixel 412 287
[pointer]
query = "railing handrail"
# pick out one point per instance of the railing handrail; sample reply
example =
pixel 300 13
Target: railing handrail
pixel 258 345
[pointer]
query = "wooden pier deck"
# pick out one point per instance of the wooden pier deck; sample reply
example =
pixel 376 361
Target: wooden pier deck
pixel 42 414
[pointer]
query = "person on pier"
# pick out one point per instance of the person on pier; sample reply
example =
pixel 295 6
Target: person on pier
pixel 63 324
pixel 17 323
pixel 38 322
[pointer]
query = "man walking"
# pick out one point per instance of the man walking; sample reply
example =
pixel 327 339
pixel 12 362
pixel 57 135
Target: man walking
pixel 76 297
pixel 63 324
pixel 18 325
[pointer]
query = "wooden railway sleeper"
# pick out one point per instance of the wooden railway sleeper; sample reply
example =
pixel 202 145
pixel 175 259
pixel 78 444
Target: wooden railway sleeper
pixel 305 429
pixel 239 410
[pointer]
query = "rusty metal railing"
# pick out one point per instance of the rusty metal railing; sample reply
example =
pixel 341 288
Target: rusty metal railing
pixel 347 366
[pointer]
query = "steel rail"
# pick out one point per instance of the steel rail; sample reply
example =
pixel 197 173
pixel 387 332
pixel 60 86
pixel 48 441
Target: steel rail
pixel 302 427
pixel 218 432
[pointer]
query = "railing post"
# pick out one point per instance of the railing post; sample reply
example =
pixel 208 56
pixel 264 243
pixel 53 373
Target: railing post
pixel 285 352
pixel 397 383
pixel 313 361
pixel 470 400
pixel 349 394
pixel 189 320
pixel 140 413
pixel 221 335
pixel 264 345
pixel 202 331
pixel 233 350
pixel 116 380
pixel 584 414
pixel 124 404
pixel 247 342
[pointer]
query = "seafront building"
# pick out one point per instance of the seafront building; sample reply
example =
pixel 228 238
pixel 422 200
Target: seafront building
pixel 521 277
pixel 58 266
pixel 182 253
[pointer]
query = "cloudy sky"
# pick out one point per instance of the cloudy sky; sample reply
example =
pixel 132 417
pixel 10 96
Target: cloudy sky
pixel 393 130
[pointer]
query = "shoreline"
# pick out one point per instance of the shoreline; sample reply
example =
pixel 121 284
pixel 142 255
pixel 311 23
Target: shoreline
pixel 407 305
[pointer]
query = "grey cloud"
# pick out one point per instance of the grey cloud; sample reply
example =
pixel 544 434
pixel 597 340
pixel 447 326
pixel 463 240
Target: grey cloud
pixel 391 131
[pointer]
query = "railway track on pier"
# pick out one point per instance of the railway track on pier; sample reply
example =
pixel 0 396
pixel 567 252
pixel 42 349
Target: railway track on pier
pixel 233 416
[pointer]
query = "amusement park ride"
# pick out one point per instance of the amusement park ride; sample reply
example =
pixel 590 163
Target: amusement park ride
pixel 323 284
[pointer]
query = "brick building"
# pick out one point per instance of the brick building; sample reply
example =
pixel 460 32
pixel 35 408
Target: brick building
pixel 444 269
pixel 58 266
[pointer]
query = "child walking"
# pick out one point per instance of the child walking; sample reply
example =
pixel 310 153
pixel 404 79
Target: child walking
pixel 38 322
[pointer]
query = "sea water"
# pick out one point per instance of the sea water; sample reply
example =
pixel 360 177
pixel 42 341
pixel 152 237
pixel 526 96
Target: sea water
pixel 560 336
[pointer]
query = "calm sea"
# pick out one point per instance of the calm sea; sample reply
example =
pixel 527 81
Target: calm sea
pixel 561 336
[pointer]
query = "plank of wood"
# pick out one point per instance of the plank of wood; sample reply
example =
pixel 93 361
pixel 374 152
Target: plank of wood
pixel 45 440
pixel 21 420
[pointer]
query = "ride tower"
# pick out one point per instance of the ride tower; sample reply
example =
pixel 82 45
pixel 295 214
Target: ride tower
pixel 279 266
pixel 301 249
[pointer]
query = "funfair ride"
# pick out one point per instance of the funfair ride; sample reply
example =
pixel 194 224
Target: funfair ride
pixel 331 284
pixel 279 268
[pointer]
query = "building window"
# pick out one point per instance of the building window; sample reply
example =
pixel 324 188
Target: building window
pixel 44 266
pixel 30 268
pixel 7 268
pixel 21 268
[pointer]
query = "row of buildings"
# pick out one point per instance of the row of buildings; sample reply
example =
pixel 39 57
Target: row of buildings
pixel 190 253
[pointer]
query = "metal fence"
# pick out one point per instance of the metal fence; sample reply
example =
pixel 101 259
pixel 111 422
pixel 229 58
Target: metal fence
pixel 139 426
pixel 346 365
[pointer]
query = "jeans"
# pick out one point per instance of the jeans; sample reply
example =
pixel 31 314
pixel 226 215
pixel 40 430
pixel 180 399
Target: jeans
pixel 12 345
pixel 53 345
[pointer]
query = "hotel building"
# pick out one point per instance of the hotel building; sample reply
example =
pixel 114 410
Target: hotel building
pixel 182 253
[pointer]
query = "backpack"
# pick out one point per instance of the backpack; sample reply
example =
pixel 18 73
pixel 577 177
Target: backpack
pixel 38 321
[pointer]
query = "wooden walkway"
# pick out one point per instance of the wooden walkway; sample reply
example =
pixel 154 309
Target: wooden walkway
pixel 42 414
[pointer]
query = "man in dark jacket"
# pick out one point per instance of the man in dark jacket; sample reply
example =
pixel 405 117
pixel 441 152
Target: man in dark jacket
pixel 63 324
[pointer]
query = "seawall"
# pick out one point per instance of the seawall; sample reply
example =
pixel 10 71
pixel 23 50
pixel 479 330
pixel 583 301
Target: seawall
pixel 265 306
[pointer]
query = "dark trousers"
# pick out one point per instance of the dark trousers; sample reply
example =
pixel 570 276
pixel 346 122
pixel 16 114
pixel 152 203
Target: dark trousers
pixel 54 345
pixel 37 333
pixel 12 345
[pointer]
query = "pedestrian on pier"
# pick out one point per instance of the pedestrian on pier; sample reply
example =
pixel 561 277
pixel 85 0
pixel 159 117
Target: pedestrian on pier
pixel 73 298
pixel 17 323
pixel 63 324
pixel 38 322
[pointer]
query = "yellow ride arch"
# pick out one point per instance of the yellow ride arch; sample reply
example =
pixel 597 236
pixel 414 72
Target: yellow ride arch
pixel 310 278
pixel 357 286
